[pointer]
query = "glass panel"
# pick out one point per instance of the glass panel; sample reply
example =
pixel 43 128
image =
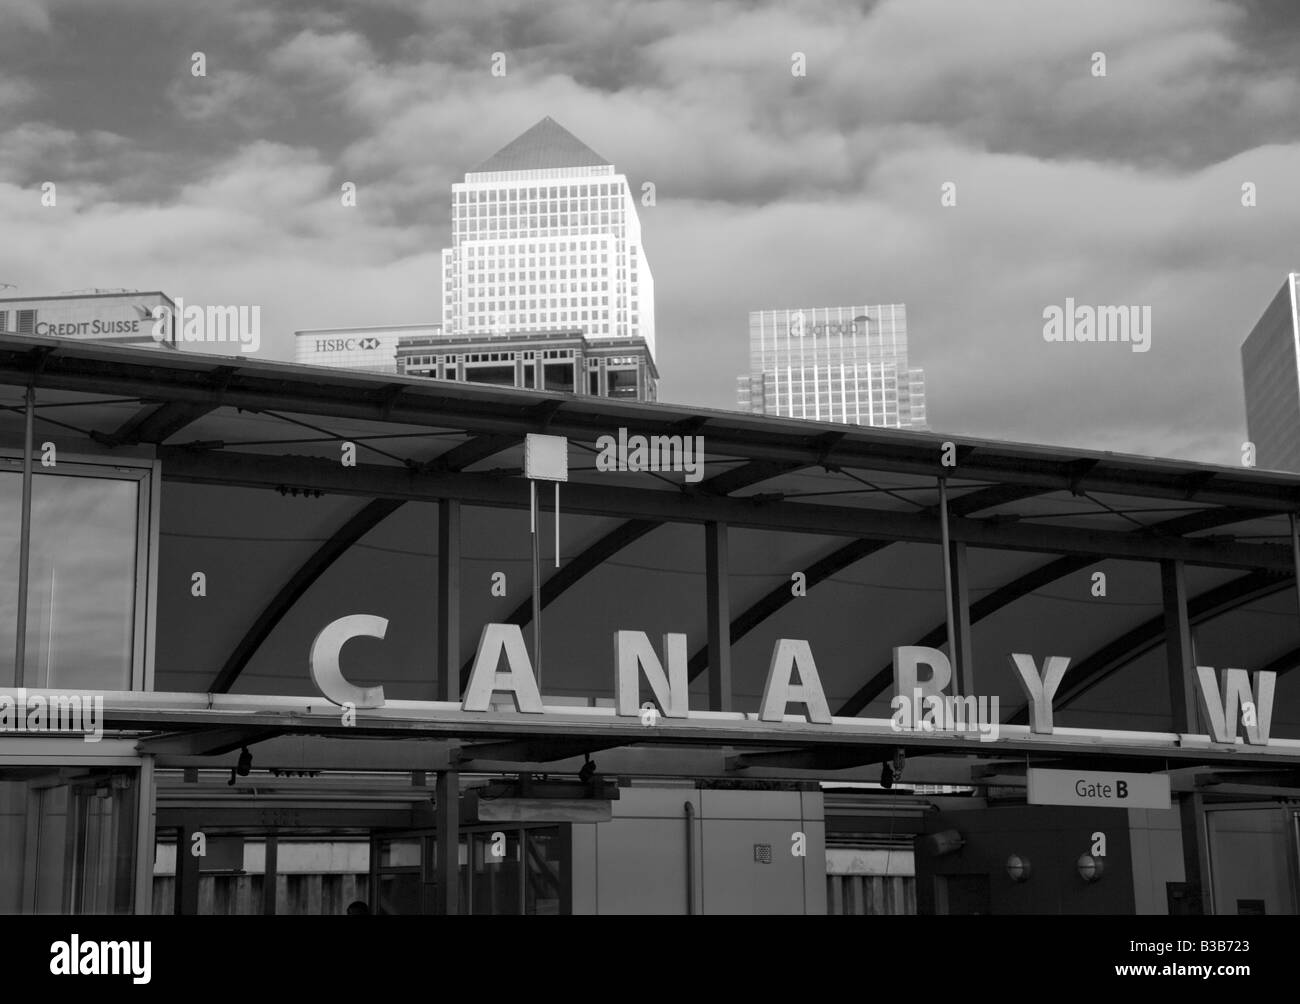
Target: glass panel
pixel 399 893
pixel 13 840
pixel 106 815
pixel 52 878
pixel 496 873
pixel 462 884
pixel 400 853
pixel 11 489
pixel 542 889
pixel 81 585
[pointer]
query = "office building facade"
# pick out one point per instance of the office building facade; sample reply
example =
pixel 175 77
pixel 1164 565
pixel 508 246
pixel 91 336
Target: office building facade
pixel 122 317
pixel 1270 369
pixel 545 237
pixel 565 361
pixel 833 364
pixel 369 348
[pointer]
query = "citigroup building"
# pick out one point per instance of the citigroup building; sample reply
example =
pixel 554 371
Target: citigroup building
pixel 838 364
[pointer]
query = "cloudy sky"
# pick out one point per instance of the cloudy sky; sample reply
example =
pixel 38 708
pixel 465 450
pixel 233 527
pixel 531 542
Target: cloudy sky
pixel 773 190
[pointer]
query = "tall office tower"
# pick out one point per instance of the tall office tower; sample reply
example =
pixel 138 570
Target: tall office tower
pixel 1270 369
pixel 835 364
pixel 545 238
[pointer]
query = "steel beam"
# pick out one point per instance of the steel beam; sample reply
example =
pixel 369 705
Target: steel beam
pixel 256 470
pixel 717 601
pixel 156 423
pixel 255 385
pixel 448 600
pixel 1180 662
pixel 24 538
pixel 206 742
pixel 1032 581
pixel 529 750
pixel 447 850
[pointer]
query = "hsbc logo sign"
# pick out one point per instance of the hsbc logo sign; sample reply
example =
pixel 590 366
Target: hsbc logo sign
pixel 346 344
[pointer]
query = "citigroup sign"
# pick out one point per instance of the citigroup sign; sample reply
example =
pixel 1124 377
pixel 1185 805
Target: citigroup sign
pixel 801 326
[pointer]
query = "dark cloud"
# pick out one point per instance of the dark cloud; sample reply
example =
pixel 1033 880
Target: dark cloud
pixel 772 189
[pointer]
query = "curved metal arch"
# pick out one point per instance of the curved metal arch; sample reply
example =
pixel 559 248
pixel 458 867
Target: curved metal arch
pixel 1114 656
pixel 606 547
pixel 1043 575
pixel 842 557
pixel 357 526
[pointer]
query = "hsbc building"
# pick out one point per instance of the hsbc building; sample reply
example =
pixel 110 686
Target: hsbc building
pixel 362 348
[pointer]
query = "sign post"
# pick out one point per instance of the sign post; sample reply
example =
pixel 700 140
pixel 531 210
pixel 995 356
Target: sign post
pixel 546 458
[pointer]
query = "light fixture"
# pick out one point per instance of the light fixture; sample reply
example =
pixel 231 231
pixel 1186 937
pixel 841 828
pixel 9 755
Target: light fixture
pixel 1090 868
pixel 1019 868
pixel 242 766
pixel 943 842
pixel 891 771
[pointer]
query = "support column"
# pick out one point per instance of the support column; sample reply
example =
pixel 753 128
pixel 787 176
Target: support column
pixel 145 839
pixel 956 592
pixel 187 873
pixel 447 821
pixel 447 787
pixel 718 601
pixel 1180 668
pixel 1196 854
pixel 24 540
pixel 270 871
pixel 1180 664
pixel 963 660
pixel 448 668
pixel 1295 551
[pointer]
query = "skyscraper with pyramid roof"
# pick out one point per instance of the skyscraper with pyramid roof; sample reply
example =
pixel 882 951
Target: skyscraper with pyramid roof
pixel 546 238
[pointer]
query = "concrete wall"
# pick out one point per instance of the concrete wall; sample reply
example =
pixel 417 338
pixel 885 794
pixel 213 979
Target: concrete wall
pixel 1156 846
pixel 636 862
pixel 1250 855
pixel 1052 838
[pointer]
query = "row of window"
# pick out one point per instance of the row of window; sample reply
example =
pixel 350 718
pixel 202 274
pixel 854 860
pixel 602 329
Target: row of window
pixel 514 250
pixel 479 302
pixel 542 208
pixel 521 223
pixel 461 233
pixel 464 196
pixel 24 321
pixel 531 261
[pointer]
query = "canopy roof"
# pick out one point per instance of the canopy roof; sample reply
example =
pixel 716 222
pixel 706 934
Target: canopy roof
pixel 254 490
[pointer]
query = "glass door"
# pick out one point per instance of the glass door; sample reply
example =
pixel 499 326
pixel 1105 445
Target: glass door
pixel 401 874
pixel 81 856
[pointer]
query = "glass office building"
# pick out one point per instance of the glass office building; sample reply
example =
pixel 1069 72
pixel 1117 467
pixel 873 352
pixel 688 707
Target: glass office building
pixel 833 364
pixel 1270 369
pixel 545 237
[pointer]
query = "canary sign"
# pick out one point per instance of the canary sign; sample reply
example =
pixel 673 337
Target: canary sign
pixel 793 687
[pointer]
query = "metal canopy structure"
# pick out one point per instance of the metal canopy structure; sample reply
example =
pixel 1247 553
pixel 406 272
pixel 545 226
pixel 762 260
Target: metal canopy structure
pixel 957 542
